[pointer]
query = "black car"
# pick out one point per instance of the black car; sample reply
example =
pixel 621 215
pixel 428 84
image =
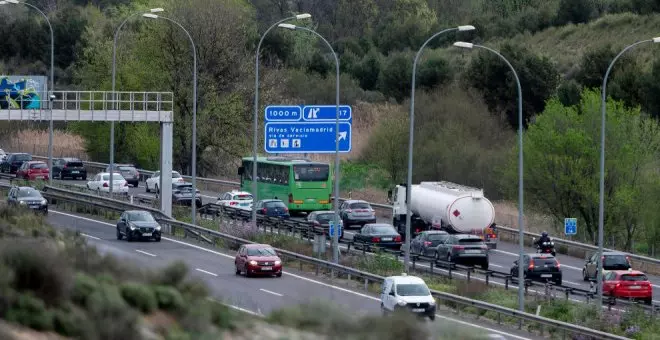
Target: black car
pixel 426 242
pixel 379 234
pixel 612 260
pixel 182 194
pixel 323 218
pixel 129 172
pixel 272 208
pixel 539 267
pixel 69 168
pixel 136 225
pixel 14 161
pixel 27 197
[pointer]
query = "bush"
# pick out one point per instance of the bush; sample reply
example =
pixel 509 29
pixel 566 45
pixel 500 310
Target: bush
pixel 139 296
pixel 221 315
pixel 31 312
pixel 83 287
pixel 72 322
pixel 111 316
pixel 173 275
pixel 168 298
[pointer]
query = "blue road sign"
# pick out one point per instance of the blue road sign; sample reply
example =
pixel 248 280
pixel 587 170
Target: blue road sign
pixel 306 137
pixel 570 226
pixel 283 113
pixel 331 228
pixel 327 113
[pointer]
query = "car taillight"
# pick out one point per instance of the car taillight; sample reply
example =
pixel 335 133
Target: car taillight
pixel 558 265
pixel 458 247
pixel 417 230
pixel 531 264
pixel 105 184
pixel 286 209
pixel 617 285
pixel 233 203
pixel 375 239
pixel 398 239
pixel 316 223
pixel 349 211
pixel 290 198
pixel 263 211
pixel 427 243
pixel 64 167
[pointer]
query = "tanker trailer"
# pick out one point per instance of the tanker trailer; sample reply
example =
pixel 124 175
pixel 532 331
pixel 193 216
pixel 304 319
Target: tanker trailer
pixel 452 207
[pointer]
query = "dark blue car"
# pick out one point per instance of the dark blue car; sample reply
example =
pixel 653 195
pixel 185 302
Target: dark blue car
pixel 272 208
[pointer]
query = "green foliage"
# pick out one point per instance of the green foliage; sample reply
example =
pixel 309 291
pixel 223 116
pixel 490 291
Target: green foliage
pixel 395 76
pixel 538 79
pixel 72 322
pixel 83 287
pixel 356 176
pixel 404 25
pixel 575 11
pixel 30 311
pixel 569 93
pixel 139 296
pixel 168 298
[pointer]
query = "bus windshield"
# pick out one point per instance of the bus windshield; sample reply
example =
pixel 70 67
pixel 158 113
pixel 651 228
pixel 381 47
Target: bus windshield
pixel 311 172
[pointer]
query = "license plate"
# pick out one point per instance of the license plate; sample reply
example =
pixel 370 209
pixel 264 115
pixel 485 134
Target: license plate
pixel 146 234
pixel 546 275
pixel 75 172
pixel 266 268
pixel 244 204
pixel 417 310
pixel 34 205
pixel 472 251
pixel 634 287
pixel 387 239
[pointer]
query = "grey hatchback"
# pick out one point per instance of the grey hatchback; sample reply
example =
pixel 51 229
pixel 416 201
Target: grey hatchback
pixel 463 248
pixel 358 212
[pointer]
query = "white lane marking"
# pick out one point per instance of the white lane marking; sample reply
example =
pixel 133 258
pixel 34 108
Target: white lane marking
pixel 309 280
pixel 517 255
pixel 205 272
pixel 270 292
pixel 90 236
pixel 495 265
pixel 145 253
pixel 572 283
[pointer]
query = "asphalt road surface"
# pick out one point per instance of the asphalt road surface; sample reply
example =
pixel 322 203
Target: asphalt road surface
pixel 216 269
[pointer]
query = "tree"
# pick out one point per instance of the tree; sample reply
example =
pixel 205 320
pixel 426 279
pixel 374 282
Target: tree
pixel 405 25
pixel 561 165
pixel 490 75
pixel 575 11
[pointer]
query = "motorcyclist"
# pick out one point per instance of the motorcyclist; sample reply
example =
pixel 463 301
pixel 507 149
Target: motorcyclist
pixel 544 238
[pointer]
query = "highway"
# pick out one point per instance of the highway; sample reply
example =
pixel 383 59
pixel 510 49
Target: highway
pixel 216 269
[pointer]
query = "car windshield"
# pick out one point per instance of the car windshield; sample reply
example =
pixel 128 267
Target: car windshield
pixel 550 262
pixel 29 193
pixel 360 205
pixel 471 241
pixel 634 277
pixel 38 166
pixel 184 187
pixel 616 261
pixel 242 197
pixel 74 164
pixel 115 177
pixel 176 174
pixel 325 217
pixel 311 172
pixel 141 216
pixel 412 289
pixel 22 157
pixel 436 237
pixel 382 229
pixel 261 252
pixel 274 204
pixel 126 168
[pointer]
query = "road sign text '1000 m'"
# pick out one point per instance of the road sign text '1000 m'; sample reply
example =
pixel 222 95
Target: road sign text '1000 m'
pixel 307 129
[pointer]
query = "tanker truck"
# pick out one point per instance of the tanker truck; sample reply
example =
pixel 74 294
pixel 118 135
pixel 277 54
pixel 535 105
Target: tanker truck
pixel 452 207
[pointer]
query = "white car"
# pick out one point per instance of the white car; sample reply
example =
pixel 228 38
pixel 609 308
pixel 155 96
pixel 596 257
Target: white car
pixel 407 292
pixel 236 199
pixel 154 181
pixel 3 155
pixel 101 183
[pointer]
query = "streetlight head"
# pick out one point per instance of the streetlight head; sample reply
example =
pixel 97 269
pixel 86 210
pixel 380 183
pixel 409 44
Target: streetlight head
pixel 12 1
pixel 303 16
pixel 149 15
pixel 656 40
pixel 463 44
pixel 156 10
pixel 466 28
pixel 3 3
pixel 287 26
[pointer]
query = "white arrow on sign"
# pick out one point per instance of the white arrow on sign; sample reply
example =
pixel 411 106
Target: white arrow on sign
pixel 342 135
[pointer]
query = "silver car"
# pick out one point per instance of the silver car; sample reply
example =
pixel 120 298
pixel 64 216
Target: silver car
pixel 463 248
pixel 356 212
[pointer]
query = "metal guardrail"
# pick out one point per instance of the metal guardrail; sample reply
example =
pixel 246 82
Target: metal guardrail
pixel 170 224
pixel 564 246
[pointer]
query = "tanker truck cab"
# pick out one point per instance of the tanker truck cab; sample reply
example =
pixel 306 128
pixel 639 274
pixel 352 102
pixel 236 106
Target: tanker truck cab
pixel 397 198
pixel 407 293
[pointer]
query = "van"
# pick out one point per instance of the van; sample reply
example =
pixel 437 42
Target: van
pixel 409 293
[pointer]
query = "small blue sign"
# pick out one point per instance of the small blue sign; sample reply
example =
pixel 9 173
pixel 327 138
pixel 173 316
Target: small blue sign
pixel 570 226
pixel 283 113
pixel 306 137
pixel 327 113
pixel 331 228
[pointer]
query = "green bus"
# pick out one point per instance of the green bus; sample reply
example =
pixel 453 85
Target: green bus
pixel 300 183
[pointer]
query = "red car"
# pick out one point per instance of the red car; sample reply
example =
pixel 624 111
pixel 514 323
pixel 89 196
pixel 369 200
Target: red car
pixel 258 259
pixel 628 284
pixel 33 170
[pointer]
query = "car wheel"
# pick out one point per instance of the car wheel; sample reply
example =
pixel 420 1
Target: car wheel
pixel 437 256
pixel 432 317
pixel 448 257
pixel 279 274
pixel 98 192
pixel 129 237
pixel 557 282
pixel 238 271
pixel 157 190
pixel 157 239
pixel 146 189
pixel 484 266
pixel 119 235
pixel 247 273
pixel 584 275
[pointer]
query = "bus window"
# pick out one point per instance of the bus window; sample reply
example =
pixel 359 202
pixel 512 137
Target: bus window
pixel 247 174
pixel 311 172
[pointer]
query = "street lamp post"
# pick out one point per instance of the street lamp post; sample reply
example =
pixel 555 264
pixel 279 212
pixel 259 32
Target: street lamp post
pixel 255 123
pixel 521 244
pixel 406 254
pixel 52 82
pixel 335 238
pixel 114 95
pixel 601 198
pixel 194 119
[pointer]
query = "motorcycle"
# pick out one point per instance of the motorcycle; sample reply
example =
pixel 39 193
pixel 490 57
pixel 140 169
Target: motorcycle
pixel 547 247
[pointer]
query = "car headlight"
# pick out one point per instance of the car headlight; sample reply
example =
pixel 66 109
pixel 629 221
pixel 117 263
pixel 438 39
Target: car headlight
pixel 253 263
pixel 432 302
pixel 401 303
pixel 158 227
pixel 277 263
pixel 44 202
pixel 131 226
pixel 22 202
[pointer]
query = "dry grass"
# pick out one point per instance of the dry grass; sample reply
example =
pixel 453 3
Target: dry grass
pixel 36 142
pixel 506 213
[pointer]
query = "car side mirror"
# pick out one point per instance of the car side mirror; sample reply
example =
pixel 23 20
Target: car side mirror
pixel 392 293
pixel 241 170
pixel 515 262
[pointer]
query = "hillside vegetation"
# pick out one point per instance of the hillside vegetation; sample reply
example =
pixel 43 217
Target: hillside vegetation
pixel 465 105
